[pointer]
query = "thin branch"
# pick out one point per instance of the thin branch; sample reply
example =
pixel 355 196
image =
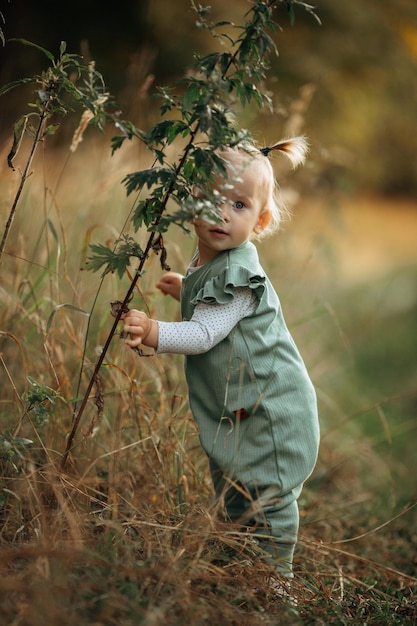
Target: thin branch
pixel 23 179
pixel 125 302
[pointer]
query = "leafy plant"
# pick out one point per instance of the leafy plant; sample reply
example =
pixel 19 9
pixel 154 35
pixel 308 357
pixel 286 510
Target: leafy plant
pixel 203 116
pixel 65 83
pixel 10 447
pixel 38 399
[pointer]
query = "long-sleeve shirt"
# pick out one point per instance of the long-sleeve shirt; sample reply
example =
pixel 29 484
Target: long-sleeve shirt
pixel 209 325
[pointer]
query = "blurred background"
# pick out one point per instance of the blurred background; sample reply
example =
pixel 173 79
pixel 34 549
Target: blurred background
pixel 360 65
pixel 345 265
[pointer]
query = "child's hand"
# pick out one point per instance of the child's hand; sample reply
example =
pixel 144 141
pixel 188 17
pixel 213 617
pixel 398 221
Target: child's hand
pixel 139 328
pixel 170 284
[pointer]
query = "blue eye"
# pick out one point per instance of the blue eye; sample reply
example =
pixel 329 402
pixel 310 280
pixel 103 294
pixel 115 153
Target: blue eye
pixel 239 205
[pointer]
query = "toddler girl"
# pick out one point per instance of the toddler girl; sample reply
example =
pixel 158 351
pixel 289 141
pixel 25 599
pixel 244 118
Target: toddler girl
pixel 249 390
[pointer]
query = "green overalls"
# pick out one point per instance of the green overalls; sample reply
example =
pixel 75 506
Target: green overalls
pixel 254 404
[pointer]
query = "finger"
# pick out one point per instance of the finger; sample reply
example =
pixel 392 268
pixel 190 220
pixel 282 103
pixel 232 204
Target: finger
pixel 132 314
pixel 133 336
pixel 134 329
pixel 133 342
pixel 136 319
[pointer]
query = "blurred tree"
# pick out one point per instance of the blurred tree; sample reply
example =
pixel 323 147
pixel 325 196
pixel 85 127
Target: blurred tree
pixel 361 62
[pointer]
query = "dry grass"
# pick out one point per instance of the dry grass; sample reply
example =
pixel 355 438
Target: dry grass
pixel 128 533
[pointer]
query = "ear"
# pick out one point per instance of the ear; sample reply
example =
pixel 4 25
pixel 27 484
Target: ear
pixel 263 222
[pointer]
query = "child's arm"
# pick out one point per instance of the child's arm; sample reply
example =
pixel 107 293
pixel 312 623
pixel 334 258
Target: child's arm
pixel 209 324
pixel 170 284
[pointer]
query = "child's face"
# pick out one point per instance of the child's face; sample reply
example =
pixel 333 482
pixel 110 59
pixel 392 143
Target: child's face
pixel 241 211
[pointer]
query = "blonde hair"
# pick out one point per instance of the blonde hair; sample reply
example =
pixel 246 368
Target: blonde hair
pixel 296 150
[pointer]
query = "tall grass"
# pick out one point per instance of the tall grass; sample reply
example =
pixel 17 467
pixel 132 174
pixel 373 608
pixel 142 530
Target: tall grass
pixel 129 534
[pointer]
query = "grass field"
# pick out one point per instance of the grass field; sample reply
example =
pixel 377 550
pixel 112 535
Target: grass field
pixel 127 534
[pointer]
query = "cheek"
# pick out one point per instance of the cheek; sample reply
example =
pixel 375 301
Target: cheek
pixel 198 224
pixel 199 227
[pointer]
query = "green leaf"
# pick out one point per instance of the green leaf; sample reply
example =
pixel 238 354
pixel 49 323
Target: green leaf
pixel 117 260
pixel 225 62
pixel 15 83
pixel 57 308
pixel 146 212
pixel 149 177
pixel 208 63
pixel 34 45
pixel 51 129
pixel 104 257
pixel 18 130
pixel 40 393
pixel 53 230
pixel 116 143
pixel 193 94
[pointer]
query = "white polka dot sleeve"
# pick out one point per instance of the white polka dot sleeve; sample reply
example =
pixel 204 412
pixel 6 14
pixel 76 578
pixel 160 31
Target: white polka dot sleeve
pixel 209 324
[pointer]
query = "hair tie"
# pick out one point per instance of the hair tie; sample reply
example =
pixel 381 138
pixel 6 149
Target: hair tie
pixel 295 149
pixel 265 151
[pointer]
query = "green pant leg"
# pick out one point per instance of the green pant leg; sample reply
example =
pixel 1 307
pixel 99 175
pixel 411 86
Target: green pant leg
pixel 281 522
pixel 272 518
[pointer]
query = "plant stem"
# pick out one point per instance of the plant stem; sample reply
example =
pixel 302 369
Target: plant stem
pixel 23 179
pixel 126 300
pixel 101 358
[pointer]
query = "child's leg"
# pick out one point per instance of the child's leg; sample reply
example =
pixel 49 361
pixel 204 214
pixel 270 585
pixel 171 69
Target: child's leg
pixel 273 518
pixel 278 530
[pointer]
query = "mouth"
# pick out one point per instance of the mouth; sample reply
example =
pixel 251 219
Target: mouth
pixel 218 232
